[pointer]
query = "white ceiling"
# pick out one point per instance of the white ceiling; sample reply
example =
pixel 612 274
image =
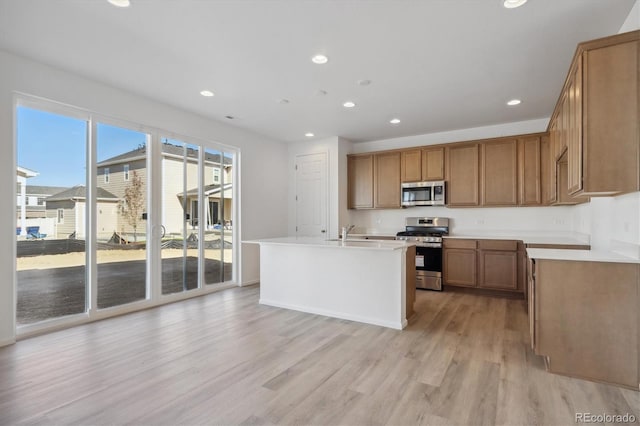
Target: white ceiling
pixel 436 64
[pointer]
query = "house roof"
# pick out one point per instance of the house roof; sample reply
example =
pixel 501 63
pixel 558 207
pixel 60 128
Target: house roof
pixel 167 149
pixel 44 190
pixel 24 172
pixel 209 189
pixel 79 192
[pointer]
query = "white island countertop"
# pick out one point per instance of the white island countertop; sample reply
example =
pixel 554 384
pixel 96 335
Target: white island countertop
pixel 580 255
pixel 348 244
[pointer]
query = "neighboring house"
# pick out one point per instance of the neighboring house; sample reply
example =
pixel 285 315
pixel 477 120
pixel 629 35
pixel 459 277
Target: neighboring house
pixel 115 174
pixel 68 209
pixel 35 200
pixel 22 174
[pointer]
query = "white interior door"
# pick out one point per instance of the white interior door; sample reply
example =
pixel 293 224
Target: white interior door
pixel 311 195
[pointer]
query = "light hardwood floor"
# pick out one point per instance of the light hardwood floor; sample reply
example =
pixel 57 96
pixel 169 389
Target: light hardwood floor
pixel 225 359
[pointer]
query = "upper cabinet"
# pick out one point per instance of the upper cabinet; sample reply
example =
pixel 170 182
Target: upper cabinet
pixel 433 163
pixel 386 180
pixel 530 176
pixel 596 118
pixel 360 181
pixel 499 165
pixel 423 164
pixel 412 165
pixel 373 180
pixel 462 175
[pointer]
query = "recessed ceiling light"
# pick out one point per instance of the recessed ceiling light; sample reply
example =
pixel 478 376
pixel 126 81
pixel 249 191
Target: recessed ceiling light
pixel 349 104
pixel 320 59
pixel 207 93
pixel 513 102
pixel 512 4
pixel 120 3
pixel 394 121
pixel 364 82
pixel 309 134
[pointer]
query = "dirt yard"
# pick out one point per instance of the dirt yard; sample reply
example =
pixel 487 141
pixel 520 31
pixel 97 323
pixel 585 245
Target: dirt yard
pixel 108 256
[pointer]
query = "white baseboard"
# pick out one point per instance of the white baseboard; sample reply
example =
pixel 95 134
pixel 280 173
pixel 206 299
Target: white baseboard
pixel 7 342
pixel 250 282
pixel 389 324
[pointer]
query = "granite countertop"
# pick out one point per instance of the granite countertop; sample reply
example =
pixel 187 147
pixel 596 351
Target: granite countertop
pixel 335 243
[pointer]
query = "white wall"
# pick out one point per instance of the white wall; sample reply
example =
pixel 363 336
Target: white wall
pixel 336 149
pixel 263 206
pixel 633 20
pixel 485 132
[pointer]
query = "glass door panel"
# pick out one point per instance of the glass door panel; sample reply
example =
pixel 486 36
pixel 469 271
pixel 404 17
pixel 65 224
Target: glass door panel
pixel 50 215
pixel 218 240
pixel 180 242
pixel 121 201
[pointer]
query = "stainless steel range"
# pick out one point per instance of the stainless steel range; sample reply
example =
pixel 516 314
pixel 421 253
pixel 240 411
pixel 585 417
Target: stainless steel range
pixel 427 233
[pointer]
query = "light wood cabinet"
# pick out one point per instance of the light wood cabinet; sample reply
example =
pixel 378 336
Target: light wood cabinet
pixel 386 180
pixel 360 181
pixel 486 264
pixel 545 169
pixel 584 328
pixel 412 165
pixel 462 175
pixel 425 164
pixel 499 165
pixel 373 180
pixel 433 163
pixel 460 267
pixel 529 172
pixel 597 118
pixel 498 269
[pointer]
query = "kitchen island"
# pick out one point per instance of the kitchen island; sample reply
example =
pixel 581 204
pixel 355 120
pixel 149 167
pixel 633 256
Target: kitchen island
pixel 366 281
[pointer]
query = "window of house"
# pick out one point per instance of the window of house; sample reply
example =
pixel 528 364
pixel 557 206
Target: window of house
pixel 126 172
pixel 106 175
pixel 26 201
pixel 41 201
pixel 60 215
pixel 216 175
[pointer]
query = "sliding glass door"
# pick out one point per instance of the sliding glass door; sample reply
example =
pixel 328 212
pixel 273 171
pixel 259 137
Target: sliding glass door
pixel 181 241
pixel 121 205
pixel 110 219
pixel 50 216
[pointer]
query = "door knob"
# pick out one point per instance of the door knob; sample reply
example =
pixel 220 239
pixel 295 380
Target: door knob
pixel 323 231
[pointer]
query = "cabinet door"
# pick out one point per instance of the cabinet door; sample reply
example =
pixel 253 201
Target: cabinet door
pixel 575 132
pixel 462 172
pixel 412 166
pixel 498 269
pixel 611 124
pixel 499 173
pixel 531 300
pixel 545 165
pixel 360 181
pixel 460 267
pixel 529 172
pixel 433 164
pixel 386 181
pixel 550 160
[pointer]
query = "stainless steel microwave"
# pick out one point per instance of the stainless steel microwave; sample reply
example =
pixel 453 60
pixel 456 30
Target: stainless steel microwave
pixel 423 194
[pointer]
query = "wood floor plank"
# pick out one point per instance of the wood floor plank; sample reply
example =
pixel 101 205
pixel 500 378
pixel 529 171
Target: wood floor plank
pixel 225 359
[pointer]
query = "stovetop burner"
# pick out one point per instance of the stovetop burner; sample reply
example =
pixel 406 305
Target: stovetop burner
pixel 424 229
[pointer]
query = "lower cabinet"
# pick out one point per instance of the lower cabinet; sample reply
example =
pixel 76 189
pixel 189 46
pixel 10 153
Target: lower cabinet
pixel 584 319
pixel 485 264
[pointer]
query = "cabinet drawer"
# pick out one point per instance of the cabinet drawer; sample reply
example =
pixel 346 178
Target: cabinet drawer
pixel 459 244
pixel 502 245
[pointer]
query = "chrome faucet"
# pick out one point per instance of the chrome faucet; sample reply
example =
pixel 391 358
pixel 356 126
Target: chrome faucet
pixel 346 230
